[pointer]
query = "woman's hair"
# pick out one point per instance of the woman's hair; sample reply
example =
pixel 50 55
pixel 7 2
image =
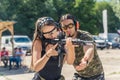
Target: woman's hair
pixel 40 23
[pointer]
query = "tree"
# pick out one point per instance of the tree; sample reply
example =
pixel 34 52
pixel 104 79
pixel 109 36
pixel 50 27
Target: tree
pixel 83 10
pixel 113 21
pixel 86 14
pixel 116 7
pixel 26 12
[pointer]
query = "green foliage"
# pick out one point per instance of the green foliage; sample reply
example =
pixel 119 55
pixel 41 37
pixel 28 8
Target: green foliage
pixel 82 9
pixel 116 7
pixel 87 12
pixel 113 21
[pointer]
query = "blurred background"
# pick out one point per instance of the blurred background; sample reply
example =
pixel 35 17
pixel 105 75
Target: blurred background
pixel 87 12
pixel 99 17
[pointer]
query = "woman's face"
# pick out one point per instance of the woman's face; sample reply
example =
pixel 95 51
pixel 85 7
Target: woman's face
pixel 50 32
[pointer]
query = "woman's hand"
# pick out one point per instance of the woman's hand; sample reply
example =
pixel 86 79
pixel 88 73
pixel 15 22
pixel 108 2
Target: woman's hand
pixel 52 51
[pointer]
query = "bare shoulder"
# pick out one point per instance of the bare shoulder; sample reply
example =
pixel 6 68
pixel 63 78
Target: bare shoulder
pixel 36 49
pixel 37 45
pixel 37 42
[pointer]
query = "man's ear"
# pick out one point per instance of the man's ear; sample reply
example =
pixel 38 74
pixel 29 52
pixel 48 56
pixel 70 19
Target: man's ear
pixel 77 25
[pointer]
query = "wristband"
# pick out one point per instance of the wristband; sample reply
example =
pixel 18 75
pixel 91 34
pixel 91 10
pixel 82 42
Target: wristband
pixel 47 56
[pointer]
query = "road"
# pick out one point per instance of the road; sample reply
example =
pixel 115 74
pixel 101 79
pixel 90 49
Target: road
pixel 110 59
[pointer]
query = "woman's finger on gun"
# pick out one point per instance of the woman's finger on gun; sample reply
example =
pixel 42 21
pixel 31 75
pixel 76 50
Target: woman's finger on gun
pixel 52 51
pixel 55 46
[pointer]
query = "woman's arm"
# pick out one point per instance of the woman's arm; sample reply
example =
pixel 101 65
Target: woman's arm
pixel 38 61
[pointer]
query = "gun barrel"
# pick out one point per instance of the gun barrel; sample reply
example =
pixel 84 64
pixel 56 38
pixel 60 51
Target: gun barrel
pixel 74 41
pixel 79 42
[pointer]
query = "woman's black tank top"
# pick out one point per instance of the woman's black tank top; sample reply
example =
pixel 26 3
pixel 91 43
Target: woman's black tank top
pixel 51 70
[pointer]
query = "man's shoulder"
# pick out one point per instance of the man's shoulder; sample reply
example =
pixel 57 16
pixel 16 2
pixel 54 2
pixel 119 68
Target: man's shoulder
pixel 1 51
pixel 84 35
pixel 83 32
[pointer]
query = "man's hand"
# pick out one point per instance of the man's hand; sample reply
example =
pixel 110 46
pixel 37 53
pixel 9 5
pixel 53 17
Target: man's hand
pixel 69 46
pixel 82 65
pixel 70 51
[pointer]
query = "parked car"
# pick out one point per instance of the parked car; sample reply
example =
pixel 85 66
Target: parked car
pixel 114 43
pixel 100 43
pixel 21 41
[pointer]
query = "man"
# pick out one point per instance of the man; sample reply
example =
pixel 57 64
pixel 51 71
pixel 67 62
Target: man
pixel 17 58
pixel 87 62
pixel 4 56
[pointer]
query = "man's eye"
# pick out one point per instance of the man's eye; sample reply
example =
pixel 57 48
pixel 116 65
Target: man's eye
pixel 65 28
pixel 70 26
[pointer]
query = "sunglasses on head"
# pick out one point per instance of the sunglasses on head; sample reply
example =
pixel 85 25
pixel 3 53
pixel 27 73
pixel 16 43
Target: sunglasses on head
pixel 71 25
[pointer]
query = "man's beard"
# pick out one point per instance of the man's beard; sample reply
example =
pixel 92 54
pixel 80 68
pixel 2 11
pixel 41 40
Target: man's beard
pixel 70 35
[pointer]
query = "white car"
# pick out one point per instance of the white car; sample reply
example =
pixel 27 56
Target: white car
pixel 21 41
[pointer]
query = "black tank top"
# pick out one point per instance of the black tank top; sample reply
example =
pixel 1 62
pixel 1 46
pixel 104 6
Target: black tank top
pixel 51 70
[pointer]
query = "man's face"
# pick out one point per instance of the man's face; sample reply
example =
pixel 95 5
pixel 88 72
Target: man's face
pixel 68 27
pixel 3 49
pixel 50 32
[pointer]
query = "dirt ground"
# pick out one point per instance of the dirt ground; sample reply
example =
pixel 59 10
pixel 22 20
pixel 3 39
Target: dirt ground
pixel 110 59
pixel 111 62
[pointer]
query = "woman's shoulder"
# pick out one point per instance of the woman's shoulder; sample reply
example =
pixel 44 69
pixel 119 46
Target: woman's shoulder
pixel 37 41
pixel 37 44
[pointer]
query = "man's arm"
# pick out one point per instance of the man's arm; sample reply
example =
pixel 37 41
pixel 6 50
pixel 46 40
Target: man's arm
pixel 70 51
pixel 89 52
pixel 88 56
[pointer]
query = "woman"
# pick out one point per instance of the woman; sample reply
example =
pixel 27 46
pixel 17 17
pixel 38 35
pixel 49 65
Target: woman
pixel 45 57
